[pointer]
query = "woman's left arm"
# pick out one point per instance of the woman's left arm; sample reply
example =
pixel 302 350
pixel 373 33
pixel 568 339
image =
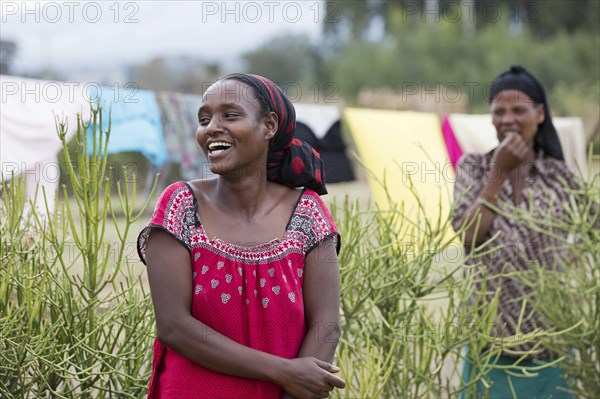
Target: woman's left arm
pixel 321 291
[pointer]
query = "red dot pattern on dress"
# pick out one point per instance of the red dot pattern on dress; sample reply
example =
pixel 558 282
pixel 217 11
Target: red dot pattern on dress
pixel 253 295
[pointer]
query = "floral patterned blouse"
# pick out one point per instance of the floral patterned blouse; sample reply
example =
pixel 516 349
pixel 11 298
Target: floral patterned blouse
pixel 252 295
pixel 516 246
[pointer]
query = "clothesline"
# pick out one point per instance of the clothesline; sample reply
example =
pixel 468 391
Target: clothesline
pixel 162 126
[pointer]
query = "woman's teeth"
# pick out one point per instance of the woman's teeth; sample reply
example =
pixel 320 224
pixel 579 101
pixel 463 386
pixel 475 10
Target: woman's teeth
pixel 218 147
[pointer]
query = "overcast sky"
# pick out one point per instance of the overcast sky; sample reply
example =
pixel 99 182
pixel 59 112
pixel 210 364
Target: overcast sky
pixel 87 37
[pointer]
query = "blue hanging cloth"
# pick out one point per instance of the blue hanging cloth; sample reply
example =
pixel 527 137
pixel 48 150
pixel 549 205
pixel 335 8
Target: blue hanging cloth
pixel 135 123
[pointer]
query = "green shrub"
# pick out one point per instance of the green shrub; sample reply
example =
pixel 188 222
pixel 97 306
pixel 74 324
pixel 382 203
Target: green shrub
pixel 568 294
pixel 76 320
pixel 66 332
pixel 409 306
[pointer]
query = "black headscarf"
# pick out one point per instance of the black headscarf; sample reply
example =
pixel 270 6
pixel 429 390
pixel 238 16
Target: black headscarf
pixel 518 78
pixel 290 161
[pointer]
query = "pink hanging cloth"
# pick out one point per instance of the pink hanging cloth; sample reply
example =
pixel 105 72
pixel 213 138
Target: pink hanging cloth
pixel 452 146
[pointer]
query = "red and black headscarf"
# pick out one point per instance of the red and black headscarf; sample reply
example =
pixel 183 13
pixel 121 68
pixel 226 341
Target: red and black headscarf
pixel 290 161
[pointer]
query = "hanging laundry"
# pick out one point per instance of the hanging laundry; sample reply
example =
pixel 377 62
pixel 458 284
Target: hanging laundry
pixel 571 135
pixel 319 118
pixel 405 149
pixel 179 114
pixel 320 126
pixel 29 142
pixel 135 123
pixel 476 133
pixel 452 146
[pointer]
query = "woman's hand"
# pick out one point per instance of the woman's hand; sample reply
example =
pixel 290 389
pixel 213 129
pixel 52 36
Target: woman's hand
pixel 309 377
pixel 511 152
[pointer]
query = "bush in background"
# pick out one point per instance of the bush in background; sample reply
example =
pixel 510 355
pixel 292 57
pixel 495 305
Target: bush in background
pixel 76 320
pixel 568 294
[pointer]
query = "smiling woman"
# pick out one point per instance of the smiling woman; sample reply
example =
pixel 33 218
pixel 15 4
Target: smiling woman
pixel 515 112
pixel 234 130
pixel 243 268
pixel 526 170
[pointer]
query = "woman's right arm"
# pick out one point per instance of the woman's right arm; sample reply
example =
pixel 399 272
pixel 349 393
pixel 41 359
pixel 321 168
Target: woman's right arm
pixel 478 217
pixel 168 266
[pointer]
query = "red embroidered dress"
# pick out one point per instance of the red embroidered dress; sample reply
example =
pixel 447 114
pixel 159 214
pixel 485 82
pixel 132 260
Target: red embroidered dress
pixel 253 295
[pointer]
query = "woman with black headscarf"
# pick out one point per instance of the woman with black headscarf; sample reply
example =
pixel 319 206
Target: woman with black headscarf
pixel 524 171
pixel 243 267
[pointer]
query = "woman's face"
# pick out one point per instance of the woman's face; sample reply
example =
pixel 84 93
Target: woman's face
pixel 232 131
pixel 514 111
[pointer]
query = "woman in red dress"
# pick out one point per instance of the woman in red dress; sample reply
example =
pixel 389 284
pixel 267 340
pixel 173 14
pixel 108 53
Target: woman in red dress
pixel 243 268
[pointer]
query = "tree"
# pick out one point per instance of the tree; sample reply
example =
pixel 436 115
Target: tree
pixel 355 19
pixel 287 60
pixel 180 74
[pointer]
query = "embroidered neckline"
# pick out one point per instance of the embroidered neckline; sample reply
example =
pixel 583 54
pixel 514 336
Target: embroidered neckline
pixel 253 248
